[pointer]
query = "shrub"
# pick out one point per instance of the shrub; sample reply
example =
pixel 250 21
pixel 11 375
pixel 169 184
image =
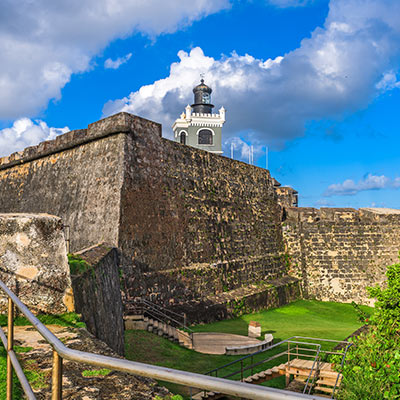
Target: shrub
pixel 372 365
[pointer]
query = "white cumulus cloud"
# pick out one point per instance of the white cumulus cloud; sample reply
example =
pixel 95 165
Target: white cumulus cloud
pixel 43 42
pixel 115 64
pixel 334 71
pixel 25 132
pixel 290 3
pixel 388 82
pixel 370 182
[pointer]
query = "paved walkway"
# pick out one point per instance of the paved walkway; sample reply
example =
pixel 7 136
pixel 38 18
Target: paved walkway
pixel 215 343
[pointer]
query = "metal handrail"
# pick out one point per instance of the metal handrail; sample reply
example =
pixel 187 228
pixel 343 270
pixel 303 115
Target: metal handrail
pixel 341 368
pixel 188 335
pixel 190 379
pixel 163 308
pixel 316 360
pixel 156 312
pixel 160 310
pixel 240 360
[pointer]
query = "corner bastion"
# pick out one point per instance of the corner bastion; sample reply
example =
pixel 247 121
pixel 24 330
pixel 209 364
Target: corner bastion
pixel 337 252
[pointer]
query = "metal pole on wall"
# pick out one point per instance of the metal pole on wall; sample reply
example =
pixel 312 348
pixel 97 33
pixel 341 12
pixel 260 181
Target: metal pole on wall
pixel 266 157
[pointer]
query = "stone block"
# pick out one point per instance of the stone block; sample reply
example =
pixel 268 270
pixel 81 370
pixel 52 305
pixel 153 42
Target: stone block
pixel 254 329
pixel 33 262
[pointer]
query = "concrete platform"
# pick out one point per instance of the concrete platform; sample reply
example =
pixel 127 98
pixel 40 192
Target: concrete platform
pixel 215 342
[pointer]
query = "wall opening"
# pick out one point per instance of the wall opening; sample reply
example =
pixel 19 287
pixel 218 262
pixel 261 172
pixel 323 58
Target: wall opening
pixel 205 137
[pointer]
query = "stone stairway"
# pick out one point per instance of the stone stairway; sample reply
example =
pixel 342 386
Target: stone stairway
pixel 159 328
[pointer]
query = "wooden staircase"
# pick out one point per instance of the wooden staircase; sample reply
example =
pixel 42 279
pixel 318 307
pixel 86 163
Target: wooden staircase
pixel 257 378
pixel 325 377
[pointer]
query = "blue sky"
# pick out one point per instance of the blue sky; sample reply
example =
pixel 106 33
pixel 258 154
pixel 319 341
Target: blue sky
pixel 314 81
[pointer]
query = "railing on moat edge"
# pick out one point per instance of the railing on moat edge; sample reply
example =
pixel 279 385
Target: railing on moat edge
pixel 147 308
pixel 295 340
pixel 60 352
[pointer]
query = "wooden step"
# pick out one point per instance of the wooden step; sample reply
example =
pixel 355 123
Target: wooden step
pixel 328 381
pixel 324 389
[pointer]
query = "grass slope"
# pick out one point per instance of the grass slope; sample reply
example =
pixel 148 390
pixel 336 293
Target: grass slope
pixel 302 318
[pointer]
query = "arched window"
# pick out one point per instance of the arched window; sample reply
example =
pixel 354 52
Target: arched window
pixel 205 137
pixel 183 138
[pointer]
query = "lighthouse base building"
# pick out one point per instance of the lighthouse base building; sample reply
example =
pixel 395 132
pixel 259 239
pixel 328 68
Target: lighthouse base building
pixel 198 126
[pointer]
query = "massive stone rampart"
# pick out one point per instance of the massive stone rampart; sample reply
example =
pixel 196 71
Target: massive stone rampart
pixel 77 176
pixel 212 222
pixel 337 252
pixel 166 206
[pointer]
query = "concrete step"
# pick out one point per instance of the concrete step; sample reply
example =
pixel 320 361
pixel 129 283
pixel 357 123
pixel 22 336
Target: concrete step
pixel 268 372
pixel 184 339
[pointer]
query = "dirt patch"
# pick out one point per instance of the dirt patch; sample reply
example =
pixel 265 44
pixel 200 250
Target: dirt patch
pixel 114 385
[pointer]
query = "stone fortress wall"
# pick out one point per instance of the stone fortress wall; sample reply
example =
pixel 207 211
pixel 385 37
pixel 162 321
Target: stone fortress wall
pixel 191 226
pixel 337 252
pixel 194 229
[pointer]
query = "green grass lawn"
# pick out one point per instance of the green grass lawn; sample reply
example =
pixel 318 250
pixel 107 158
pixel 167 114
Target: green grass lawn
pixel 310 318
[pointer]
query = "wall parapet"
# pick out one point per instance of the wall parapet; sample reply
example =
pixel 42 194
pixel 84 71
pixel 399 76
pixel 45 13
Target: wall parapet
pixel 315 215
pixel 338 252
pixel 116 124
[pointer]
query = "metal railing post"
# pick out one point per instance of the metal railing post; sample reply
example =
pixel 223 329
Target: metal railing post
pixel 56 380
pixel 241 370
pixel 10 346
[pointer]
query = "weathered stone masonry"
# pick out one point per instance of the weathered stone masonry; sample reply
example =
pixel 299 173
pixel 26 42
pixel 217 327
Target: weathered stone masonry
pixel 191 226
pixel 337 252
pixel 33 262
pixel 196 231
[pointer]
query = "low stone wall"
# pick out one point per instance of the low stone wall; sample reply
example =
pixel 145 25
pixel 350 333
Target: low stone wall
pixel 244 300
pixel 338 252
pixel 33 262
pixel 97 294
